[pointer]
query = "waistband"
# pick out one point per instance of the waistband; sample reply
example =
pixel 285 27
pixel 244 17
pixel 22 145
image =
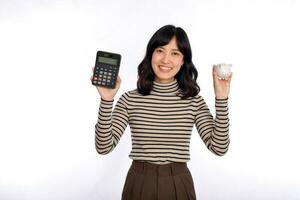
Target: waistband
pixel 150 169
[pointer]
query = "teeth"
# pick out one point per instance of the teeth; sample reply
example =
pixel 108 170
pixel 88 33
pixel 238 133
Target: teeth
pixel 165 68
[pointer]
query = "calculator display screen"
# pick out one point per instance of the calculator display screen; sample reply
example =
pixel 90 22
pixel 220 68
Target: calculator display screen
pixel 108 60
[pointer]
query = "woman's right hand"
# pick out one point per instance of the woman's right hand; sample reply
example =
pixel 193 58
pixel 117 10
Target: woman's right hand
pixel 108 94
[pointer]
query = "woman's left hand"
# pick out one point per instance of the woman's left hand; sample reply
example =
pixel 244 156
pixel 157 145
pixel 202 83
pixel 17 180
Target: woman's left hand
pixel 221 86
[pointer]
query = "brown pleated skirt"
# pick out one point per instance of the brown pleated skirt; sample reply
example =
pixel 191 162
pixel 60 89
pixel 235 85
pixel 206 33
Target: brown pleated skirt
pixel 146 181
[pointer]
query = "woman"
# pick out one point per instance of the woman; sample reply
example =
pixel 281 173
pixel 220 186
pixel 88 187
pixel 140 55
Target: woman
pixel 161 113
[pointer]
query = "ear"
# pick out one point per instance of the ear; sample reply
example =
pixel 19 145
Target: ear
pixel 182 61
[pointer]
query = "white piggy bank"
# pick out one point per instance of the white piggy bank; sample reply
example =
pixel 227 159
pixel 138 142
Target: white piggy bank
pixel 223 70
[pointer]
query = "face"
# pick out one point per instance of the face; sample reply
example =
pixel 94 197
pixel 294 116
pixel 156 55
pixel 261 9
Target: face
pixel 166 62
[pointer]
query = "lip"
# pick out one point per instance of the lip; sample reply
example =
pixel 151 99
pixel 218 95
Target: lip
pixel 164 68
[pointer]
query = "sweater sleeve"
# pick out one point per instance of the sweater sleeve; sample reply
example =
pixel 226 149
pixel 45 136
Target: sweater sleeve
pixel 213 132
pixel 111 124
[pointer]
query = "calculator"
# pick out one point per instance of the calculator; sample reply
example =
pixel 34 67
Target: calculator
pixel 106 69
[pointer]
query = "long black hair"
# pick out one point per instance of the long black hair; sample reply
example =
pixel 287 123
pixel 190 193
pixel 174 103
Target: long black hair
pixel 186 76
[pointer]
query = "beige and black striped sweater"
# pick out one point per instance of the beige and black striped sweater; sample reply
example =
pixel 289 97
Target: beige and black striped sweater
pixel 161 124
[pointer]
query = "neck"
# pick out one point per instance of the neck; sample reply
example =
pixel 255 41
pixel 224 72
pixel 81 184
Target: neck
pixel 164 81
pixel 170 87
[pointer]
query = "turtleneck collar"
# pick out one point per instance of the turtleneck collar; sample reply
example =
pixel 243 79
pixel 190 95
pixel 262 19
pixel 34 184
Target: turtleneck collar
pixel 171 87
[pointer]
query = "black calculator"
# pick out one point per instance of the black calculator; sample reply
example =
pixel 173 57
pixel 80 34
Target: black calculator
pixel 106 69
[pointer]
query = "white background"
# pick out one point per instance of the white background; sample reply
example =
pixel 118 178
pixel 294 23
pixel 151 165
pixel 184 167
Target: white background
pixel 48 107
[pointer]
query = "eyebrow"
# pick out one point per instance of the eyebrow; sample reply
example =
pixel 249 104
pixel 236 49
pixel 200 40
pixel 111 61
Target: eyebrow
pixel 172 49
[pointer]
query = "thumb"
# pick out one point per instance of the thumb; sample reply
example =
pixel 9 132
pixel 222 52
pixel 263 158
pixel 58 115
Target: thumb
pixel 118 81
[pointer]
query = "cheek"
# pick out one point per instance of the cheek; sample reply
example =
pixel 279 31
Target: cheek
pixel 179 62
pixel 154 59
pixel 178 69
pixel 153 64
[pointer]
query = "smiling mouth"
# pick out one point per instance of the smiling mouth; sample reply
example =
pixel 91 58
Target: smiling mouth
pixel 164 68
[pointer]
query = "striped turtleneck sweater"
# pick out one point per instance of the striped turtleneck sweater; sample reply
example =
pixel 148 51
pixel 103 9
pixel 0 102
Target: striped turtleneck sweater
pixel 161 124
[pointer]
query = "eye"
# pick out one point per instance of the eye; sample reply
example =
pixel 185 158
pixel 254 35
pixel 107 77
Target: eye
pixel 175 53
pixel 159 50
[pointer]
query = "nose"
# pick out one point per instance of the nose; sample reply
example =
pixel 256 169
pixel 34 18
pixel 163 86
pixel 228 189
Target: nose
pixel 165 58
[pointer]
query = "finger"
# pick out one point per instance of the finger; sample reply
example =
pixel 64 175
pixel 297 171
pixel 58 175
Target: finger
pixel 227 79
pixel 216 77
pixel 119 79
pixel 93 78
pixel 214 71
